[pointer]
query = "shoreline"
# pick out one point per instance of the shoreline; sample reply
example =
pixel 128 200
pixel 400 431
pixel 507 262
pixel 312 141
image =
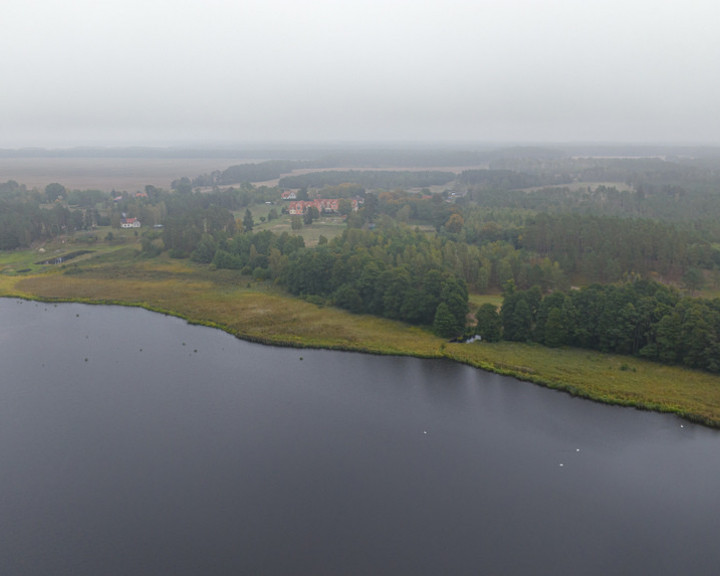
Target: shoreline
pixel 499 358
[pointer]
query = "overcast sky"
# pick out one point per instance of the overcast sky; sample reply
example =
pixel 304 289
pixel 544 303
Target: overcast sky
pixel 164 72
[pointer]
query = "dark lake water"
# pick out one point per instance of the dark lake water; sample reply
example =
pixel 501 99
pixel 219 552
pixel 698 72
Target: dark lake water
pixel 132 443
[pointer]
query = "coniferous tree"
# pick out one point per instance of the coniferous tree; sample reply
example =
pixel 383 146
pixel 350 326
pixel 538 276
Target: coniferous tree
pixel 248 221
pixel 445 323
pixel 489 324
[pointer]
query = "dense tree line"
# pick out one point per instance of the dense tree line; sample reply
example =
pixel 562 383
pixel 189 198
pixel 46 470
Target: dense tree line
pixel 666 202
pixel 389 158
pixel 244 173
pixel 232 198
pixel 263 255
pixel 182 233
pixel 599 200
pixel 373 179
pixel 485 251
pixel 414 208
pixel 198 225
pixel 596 248
pixel 344 190
pixel 593 169
pixel 677 189
pixel 604 249
pixel 238 174
pixel 24 220
pixel 641 318
pixel 11 189
pixel 503 180
pixel 395 273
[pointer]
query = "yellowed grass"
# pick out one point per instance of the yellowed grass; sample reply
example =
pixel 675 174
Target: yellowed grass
pixel 258 314
pixel 8 286
pixel 604 377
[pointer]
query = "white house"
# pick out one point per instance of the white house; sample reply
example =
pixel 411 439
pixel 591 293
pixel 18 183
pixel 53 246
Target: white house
pixel 129 223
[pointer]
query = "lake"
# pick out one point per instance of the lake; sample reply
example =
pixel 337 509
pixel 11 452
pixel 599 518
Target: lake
pixel 132 443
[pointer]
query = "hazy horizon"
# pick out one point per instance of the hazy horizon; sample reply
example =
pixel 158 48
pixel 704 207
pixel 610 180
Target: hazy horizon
pixel 350 145
pixel 218 73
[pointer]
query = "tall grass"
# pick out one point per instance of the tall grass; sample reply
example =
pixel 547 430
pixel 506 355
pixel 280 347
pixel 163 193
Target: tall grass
pixel 607 378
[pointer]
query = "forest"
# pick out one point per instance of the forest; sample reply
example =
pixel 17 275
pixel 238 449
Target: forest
pixel 619 255
pixel 641 318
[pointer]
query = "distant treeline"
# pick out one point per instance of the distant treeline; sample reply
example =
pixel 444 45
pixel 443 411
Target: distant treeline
pixel 597 248
pixel 240 174
pixel 272 169
pixel 666 202
pixel 640 318
pixel 257 172
pixel 501 180
pixel 373 179
pixel 382 158
pixel 603 248
pixel 626 170
pixel 389 158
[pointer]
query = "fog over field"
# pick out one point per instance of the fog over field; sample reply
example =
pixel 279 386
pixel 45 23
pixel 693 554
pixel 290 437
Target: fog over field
pixel 162 72
pixel 106 174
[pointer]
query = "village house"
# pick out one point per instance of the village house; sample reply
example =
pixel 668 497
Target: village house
pixel 288 195
pixel 129 223
pixel 323 205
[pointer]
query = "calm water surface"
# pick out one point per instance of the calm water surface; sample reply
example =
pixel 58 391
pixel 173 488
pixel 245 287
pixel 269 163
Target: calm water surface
pixel 133 443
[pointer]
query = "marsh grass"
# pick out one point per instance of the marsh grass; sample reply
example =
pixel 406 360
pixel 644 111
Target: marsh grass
pixel 603 377
pixel 261 312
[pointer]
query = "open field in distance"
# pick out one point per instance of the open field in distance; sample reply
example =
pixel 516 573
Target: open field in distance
pixel 121 174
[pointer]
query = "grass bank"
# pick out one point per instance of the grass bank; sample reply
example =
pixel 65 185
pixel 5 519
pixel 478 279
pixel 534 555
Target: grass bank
pixel 607 378
pixel 262 313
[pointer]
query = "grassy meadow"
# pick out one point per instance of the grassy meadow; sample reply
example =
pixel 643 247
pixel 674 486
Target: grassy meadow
pixel 261 312
pixel 328 226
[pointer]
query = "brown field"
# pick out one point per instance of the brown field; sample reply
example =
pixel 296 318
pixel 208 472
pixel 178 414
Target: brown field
pixel 129 174
pixel 133 174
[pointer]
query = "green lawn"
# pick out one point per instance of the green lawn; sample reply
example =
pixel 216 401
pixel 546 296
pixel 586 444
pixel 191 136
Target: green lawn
pixel 477 300
pixel 328 226
pixel 32 261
